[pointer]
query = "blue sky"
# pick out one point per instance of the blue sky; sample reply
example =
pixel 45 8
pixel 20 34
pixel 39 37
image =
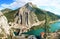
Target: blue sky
pixel 6 1
pixel 49 5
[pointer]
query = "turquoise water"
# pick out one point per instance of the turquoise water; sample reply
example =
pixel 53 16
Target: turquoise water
pixel 54 27
pixel 35 32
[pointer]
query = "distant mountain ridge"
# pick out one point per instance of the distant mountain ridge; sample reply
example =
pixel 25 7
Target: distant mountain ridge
pixel 6 10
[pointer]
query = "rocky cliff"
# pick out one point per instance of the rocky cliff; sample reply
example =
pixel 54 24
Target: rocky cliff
pixel 29 15
pixel 4 27
pixel 26 16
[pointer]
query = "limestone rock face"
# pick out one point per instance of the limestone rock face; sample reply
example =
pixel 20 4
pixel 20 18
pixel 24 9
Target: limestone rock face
pixel 26 15
pixel 4 27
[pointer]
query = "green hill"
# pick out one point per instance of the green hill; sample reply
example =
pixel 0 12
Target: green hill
pixel 10 15
pixel 6 10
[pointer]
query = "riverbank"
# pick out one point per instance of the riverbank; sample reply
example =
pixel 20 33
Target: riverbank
pixel 54 21
pixel 42 22
pixel 55 35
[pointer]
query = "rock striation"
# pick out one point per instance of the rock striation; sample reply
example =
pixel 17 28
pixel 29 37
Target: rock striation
pixel 26 16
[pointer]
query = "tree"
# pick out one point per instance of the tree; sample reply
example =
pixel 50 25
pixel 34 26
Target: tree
pixel 47 26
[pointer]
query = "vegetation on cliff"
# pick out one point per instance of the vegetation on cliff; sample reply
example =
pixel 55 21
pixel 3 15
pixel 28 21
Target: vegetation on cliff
pixel 39 13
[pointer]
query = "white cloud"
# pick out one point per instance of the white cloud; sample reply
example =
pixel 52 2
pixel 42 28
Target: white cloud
pixel 18 3
pixel 1 8
pixel 11 6
pixel 48 3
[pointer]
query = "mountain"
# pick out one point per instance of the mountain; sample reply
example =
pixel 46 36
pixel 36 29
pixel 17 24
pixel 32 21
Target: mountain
pixel 29 13
pixel 10 15
pixel 6 10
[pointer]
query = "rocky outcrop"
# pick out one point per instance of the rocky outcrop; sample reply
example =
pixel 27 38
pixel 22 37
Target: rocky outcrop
pixel 4 27
pixel 26 15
